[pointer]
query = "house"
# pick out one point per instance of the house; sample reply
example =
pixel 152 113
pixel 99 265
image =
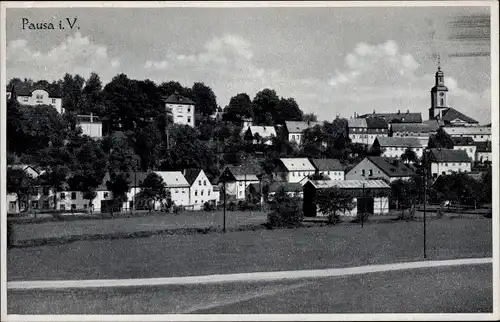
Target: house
pixel 293 169
pixel 440 110
pixel 201 189
pixel 38 195
pixel 182 109
pixel 466 144
pixel 329 167
pixel 477 133
pixel 394 147
pixel 365 130
pixel 265 133
pixel 446 161
pixel 368 196
pixel 175 182
pixel 37 95
pixel 392 118
pixel 237 178
pixel 294 130
pixel 421 131
pixel 247 122
pixel 483 151
pixel 375 168
pixel 91 125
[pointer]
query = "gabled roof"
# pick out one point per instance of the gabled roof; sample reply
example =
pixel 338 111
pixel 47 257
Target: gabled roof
pixel 452 114
pixel 392 167
pixel 401 117
pixel 376 123
pixel 357 122
pixel 191 175
pixel 415 127
pixel 24 89
pixel 463 141
pixel 297 164
pixel 350 184
pixel 262 131
pixel 177 98
pixel 299 126
pixel 448 155
pixel 327 165
pixel 173 179
pixel 483 146
pixel 398 142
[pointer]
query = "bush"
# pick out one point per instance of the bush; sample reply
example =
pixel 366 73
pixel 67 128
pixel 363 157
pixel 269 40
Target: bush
pixel 231 206
pixel 247 206
pixel 286 211
pixel 178 209
pixel 208 206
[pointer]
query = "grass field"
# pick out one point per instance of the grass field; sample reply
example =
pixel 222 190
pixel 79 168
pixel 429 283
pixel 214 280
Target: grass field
pixel 249 251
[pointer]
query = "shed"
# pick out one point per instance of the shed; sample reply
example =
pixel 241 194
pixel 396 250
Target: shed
pixel 369 196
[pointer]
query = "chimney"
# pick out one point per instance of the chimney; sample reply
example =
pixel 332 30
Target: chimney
pixel 337 116
pixel 373 111
pixel 395 162
pixel 407 111
pixel 399 112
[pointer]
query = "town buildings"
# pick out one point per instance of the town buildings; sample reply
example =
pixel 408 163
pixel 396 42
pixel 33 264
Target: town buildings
pixel 293 169
pixel 236 179
pixel 483 152
pixel 264 133
pixel 91 125
pixel 200 190
pixel 395 118
pixel 182 109
pixel 446 161
pixel 294 130
pixel 365 130
pixel 394 147
pixel 329 167
pixel 477 133
pixel 380 168
pixel 38 95
pixel 466 144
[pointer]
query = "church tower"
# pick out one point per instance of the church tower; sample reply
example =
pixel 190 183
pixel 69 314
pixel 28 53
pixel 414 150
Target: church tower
pixel 439 93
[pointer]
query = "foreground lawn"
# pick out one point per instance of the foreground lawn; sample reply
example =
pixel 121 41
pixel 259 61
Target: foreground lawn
pixel 249 251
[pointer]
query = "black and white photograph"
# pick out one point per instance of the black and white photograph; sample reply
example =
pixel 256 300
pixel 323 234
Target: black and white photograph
pixel 249 161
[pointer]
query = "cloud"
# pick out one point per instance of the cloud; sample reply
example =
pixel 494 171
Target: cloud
pixel 75 55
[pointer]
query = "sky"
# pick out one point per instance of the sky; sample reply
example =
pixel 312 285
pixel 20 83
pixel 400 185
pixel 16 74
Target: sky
pixel 331 60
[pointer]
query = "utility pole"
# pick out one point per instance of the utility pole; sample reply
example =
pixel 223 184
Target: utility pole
pixel 425 202
pixel 224 222
pixel 364 207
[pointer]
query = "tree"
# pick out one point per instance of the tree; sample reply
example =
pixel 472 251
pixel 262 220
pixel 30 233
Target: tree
pixel 18 183
pixel 312 142
pixel 240 107
pixel 168 88
pixel 287 109
pixel 91 95
pixel 311 117
pixel 153 189
pixel 440 140
pixel 332 202
pixel 206 101
pixel 286 211
pixel 486 186
pixel 264 103
pixel 409 156
pixel 72 92
pixel 147 143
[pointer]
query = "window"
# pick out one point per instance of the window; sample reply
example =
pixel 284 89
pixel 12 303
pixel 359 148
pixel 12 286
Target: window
pixel 45 190
pixel 73 195
pixel 441 102
pixel 204 182
pixel 196 192
pixel 62 196
pixel 363 172
pixel 446 164
pixel 370 172
pixel 209 192
pixel 189 109
pixel 73 206
pixel 189 119
pixel 34 204
pixel 62 207
pixel 106 194
pixel 199 182
pixel 46 204
pixel 241 184
pixel 25 99
pixel 196 201
pixel 53 101
pixel 176 191
pixel 39 96
pixel 202 192
pixel 453 164
pixel 179 109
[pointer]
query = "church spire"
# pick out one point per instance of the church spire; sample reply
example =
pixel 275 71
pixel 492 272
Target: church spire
pixel 439 62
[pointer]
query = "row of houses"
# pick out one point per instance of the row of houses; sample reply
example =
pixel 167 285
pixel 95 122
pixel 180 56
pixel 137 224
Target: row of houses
pixel 190 188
